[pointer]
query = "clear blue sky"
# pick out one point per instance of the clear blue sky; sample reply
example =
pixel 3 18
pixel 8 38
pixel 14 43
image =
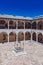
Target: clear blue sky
pixel 22 7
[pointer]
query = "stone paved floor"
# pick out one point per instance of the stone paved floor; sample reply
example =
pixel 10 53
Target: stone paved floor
pixel 34 54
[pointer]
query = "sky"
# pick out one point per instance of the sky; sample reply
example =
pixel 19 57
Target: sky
pixel 29 8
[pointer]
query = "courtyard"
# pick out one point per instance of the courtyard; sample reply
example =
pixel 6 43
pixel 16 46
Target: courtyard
pixel 33 56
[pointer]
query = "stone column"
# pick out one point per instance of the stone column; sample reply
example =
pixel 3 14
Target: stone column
pixel 8 31
pixel 16 32
pixel 17 24
pixel 31 31
pixel 24 32
pixel 24 36
pixel 24 41
pixel 17 39
pixel 36 37
pixel 37 32
pixel 37 26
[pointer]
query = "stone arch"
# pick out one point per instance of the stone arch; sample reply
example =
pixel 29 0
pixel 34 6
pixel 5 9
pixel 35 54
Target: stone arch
pixel 40 37
pixel 12 24
pixel 20 24
pixel 34 25
pixel 34 36
pixel 3 37
pixel 27 25
pixel 40 25
pixel 27 35
pixel 20 36
pixel 3 24
pixel 12 36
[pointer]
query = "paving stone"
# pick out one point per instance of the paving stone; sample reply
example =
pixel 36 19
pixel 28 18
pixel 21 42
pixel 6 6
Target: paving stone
pixel 34 55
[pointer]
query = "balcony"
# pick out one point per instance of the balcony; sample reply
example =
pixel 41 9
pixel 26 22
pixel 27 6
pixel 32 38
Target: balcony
pixel 12 25
pixel 3 26
pixel 20 27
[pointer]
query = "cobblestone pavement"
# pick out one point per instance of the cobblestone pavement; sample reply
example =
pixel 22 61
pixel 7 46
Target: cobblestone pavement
pixel 34 54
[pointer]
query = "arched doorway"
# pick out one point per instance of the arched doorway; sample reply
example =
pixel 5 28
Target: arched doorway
pixel 3 24
pixel 27 25
pixel 40 37
pixel 20 36
pixel 34 36
pixel 12 37
pixel 12 24
pixel 3 37
pixel 27 36
pixel 40 25
pixel 20 24
pixel 34 25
